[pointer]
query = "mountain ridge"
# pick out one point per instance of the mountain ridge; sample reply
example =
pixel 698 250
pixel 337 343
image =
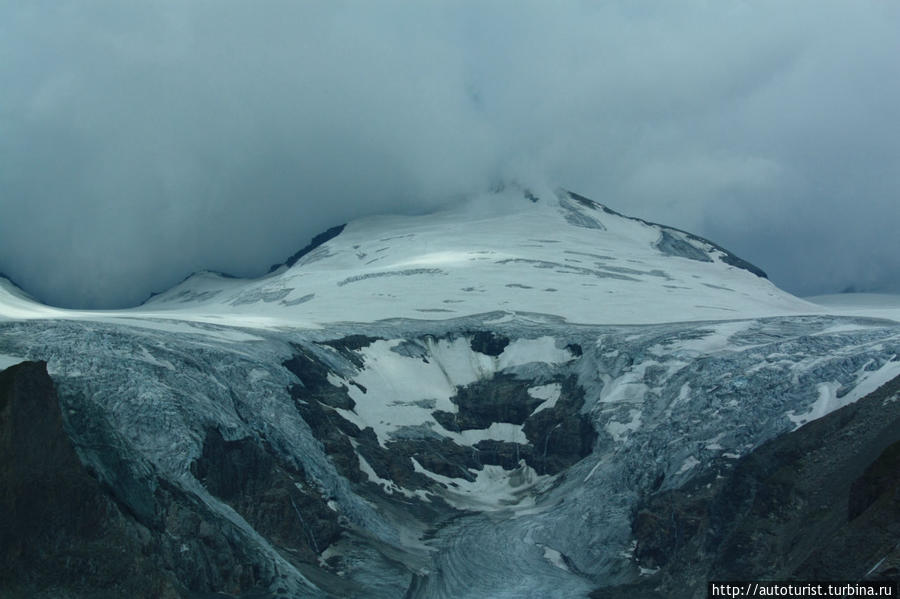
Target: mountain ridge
pixel 519 251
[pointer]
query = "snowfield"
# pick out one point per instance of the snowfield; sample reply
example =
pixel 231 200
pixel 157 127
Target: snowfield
pixel 561 255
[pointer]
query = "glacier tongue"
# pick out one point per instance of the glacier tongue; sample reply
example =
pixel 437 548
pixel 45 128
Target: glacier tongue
pixel 478 490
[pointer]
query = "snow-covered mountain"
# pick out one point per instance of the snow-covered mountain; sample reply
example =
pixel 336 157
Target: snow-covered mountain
pixel 490 401
pixel 561 255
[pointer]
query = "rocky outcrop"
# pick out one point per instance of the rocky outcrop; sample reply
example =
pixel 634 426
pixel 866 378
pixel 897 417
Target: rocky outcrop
pixel 488 343
pixel 276 499
pixel 557 436
pixel 502 398
pixel 316 241
pixel 62 534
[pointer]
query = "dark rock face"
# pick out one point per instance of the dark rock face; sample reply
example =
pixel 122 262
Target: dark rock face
pixel 671 245
pixel 500 399
pixel 820 503
pixel 488 343
pixel 313 374
pixel 503 453
pixel 274 498
pixel 559 436
pixel 332 430
pixel 61 533
pixel 391 463
pixel 881 479
pixel 316 241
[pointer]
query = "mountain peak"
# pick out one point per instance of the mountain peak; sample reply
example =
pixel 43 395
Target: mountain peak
pixel 557 254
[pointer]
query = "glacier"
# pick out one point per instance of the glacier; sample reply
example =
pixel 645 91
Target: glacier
pixel 463 408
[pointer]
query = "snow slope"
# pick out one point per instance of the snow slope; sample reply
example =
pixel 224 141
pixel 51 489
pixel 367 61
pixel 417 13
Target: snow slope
pixel 561 255
pixel 874 305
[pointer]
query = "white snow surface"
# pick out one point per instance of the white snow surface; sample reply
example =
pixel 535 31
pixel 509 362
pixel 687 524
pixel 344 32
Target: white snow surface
pixel 555 557
pixel 875 305
pixel 829 399
pixel 403 391
pixel 7 361
pixel 493 489
pixel 497 253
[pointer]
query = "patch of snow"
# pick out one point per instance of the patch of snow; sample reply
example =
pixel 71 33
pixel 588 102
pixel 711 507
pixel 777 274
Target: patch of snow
pixel 620 430
pixel 868 381
pixel 6 361
pixel 404 391
pixel 526 351
pixel 718 338
pixel 493 488
pixel 389 486
pixel 828 400
pixel 713 444
pixel 498 431
pixel 625 389
pixel 549 393
pixel 396 385
pixel 461 365
pixel 628 552
pixel 689 463
pixel 873 305
pixel 146 356
pixel 555 557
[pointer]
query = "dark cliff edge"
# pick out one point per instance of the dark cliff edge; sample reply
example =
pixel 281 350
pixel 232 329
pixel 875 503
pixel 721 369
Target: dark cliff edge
pixel 316 241
pixel 819 503
pixel 61 534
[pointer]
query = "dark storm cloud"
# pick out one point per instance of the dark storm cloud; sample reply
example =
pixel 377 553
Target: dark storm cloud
pixel 139 142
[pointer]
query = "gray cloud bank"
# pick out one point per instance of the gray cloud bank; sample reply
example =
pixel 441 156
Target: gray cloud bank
pixel 142 141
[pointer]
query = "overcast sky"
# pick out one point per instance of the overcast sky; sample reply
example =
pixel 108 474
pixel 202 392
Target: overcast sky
pixel 142 141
